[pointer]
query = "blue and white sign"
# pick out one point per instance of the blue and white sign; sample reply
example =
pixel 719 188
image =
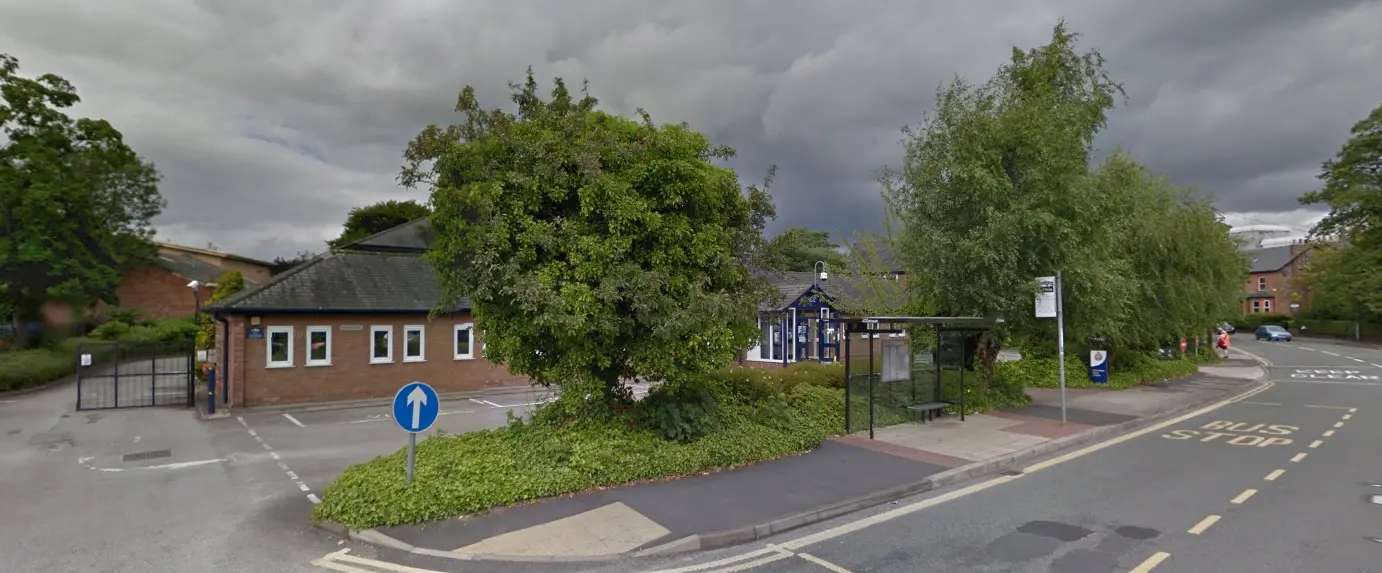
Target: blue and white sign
pixel 1098 366
pixel 415 407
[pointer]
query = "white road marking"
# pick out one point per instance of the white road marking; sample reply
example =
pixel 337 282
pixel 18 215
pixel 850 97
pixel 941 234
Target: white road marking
pixel 823 563
pixel 1151 562
pixel 293 420
pixel 1356 359
pixel 86 461
pixel 1347 416
pixel 1352 410
pixel 283 466
pixel 1329 353
pixel 331 561
pixel 1306 348
pixel 136 439
pixel 1329 407
pixel 1337 382
pixel 1375 365
pixel 1203 525
pixel 1316 443
pixel 1261 403
pixel 1275 474
pixel 1328 433
pixel 1298 457
pixel 1242 497
pixel 1338 424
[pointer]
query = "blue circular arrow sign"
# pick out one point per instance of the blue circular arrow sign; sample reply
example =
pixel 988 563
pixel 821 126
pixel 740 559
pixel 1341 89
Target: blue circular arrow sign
pixel 415 407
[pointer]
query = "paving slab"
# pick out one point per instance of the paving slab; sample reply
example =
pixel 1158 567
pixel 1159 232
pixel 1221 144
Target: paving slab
pixel 759 493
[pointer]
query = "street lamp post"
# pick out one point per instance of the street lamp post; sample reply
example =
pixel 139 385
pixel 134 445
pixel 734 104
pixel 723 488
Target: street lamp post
pixel 821 275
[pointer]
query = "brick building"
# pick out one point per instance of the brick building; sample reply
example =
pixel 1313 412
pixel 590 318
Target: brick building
pixel 1273 285
pixel 354 323
pixel 159 289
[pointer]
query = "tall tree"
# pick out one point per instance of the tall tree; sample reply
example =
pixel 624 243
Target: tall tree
pixel 281 264
pixel 377 218
pixel 798 249
pixel 75 200
pixel 592 248
pixel 1347 276
pixel 992 193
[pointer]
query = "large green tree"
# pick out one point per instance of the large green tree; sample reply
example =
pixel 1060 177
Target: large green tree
pixel 364 221
pixel 75 200
pixel 798 249
pixel 1187 271
pixel 592 248
pixel 1347 276
pixel 993 192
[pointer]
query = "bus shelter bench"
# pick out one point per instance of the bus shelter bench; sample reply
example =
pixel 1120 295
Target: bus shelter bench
pixel 928 410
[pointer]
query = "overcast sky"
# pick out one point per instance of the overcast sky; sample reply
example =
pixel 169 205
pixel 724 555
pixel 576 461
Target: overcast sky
pixel 270 119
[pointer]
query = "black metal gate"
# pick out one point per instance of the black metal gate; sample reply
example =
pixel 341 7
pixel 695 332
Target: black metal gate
pixel 136 374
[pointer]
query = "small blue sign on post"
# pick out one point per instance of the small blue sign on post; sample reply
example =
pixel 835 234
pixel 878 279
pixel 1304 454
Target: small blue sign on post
pixel 1098 366
pixel 415 409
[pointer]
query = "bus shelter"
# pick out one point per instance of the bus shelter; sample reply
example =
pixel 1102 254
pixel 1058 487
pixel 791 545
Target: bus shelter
pixel 901 369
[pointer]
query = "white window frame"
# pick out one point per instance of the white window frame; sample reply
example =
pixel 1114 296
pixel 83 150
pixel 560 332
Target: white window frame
pixel 269 346
pixel 470 339
pixel 421 329
pixel 1256 305
pixel 756 353
pixel 307 346
pixel 1266 305
pixel 387 359
pixel 1261 284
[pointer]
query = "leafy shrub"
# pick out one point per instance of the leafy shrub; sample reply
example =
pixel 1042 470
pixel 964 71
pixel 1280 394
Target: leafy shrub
pixel 1252 321
pixel 111 330
pixel 26 368
pixel 678 412
pixel 163 330
pixel 1132 369
pixel 129 316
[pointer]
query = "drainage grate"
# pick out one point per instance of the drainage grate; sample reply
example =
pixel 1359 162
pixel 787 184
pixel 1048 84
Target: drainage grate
pixel 149 455
pixel 1012 472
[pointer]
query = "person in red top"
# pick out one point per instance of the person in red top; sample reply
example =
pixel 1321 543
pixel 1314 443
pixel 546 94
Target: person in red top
pixel 1222 343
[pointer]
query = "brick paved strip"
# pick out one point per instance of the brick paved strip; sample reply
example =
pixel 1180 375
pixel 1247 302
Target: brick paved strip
pixel 903 451
pixel 1043 427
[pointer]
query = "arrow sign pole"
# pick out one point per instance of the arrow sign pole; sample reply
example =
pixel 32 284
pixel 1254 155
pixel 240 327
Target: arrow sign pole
pixel 415 402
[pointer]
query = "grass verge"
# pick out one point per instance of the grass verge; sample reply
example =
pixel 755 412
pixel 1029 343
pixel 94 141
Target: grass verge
pixel 757 416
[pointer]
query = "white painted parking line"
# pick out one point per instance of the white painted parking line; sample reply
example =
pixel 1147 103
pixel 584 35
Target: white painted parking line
pixel 1329 353
pixel 823 563
pixel 293 420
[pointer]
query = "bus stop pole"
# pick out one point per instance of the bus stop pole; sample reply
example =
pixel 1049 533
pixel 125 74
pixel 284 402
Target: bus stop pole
pixel 1060 342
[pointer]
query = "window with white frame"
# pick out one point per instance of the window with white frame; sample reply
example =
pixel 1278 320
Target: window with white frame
pixel 319 346
pixel 380 344
pixel 769 347
pixel 1261 284
pixel 1267 305
pixel 464 341
pixel 414 343
pixel 278 351
pixel 1256 305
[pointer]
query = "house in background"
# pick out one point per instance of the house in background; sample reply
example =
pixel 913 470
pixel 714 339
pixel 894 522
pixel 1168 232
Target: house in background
pixel 159 289
pixel 1273 274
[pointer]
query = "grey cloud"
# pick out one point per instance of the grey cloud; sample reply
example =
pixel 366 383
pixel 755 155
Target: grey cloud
pixel 271 119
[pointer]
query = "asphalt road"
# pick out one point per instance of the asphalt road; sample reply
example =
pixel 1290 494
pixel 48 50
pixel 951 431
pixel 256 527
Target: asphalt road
pixel 157 489
pixel 1280 481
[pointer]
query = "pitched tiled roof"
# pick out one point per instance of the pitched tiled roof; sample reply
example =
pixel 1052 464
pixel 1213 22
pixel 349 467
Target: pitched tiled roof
pixel 873 250
pixel 345 282
pixel 189 267
pixel 410 237
pixel 1270 259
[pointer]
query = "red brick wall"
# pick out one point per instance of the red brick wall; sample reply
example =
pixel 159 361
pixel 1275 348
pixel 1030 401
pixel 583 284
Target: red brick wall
pixel 157 293
pixel 351 375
